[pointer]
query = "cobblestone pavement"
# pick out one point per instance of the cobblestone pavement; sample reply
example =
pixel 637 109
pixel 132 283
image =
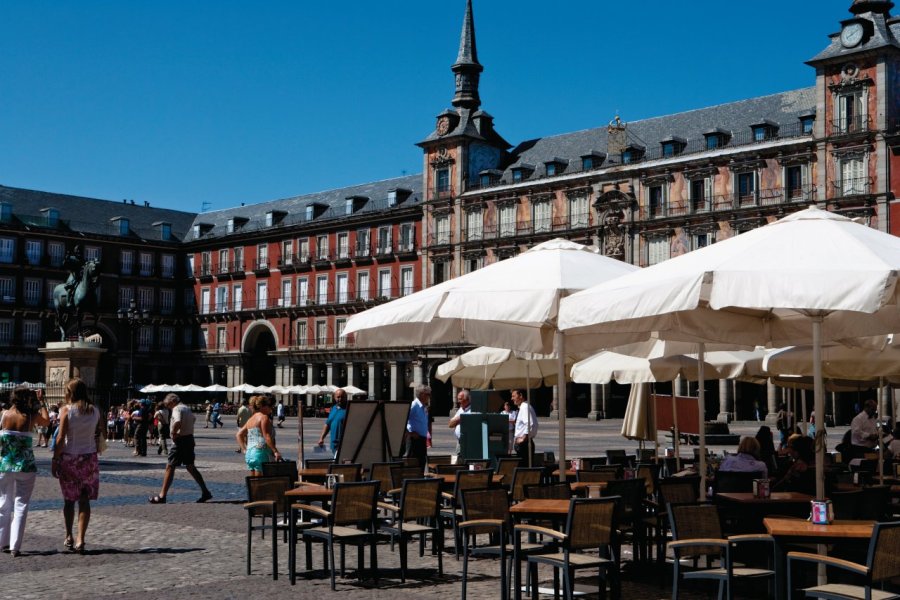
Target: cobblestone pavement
pixel 188 550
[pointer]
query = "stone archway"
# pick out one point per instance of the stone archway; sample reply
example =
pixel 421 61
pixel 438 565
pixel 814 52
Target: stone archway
pixel 259 365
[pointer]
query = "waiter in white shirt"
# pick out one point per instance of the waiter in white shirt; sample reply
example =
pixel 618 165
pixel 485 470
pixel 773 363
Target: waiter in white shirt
pixel 526 428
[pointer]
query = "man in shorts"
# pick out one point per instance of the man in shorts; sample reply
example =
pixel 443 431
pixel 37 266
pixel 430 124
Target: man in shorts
pixel 181 428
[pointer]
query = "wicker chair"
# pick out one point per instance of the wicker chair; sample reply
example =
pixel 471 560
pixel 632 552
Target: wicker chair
pixel 351 472
pixel 596 476
pixel 351 520
pixel 420 502
pixel 506 467
pixel 697 533
pixel 440 459
pixel 672 490
pixel 649 472
pixel 590 525
pixel 319 463
pixel 882 565
pixel 630 515
pixel 589 462
pixel 266 500
pixel 452 511
pixel 480 463
pixel 524 476
pixel 444 469
pixel 284 467
pixel 617 457
pixel 552 491
pixel 381 472
pixel 399 474
pixel 736 481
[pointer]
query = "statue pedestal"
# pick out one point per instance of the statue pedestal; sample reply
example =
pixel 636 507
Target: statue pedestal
pixel 65 360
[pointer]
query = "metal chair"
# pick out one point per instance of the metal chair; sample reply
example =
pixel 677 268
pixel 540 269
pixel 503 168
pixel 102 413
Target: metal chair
pixel 596 476
pixel 696 534
pixel 266 500
pixel 319 463
pixel 284 467
pixel 381 472
pixel 630 512
pixel 506 467
pixel 671 490
pixel 882 565
pixel 590 525
pixel 351 520
pixel 351 472
pixel 552 491
pixel 522 477
pixel 452 511
pixel 420 503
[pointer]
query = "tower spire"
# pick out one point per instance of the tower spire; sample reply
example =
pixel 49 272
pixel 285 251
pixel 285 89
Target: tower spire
pixel 467 67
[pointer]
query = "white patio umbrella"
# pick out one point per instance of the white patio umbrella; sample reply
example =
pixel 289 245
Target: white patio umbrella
pixel 500 368
pixel 512 304
pixel 216 388
pixel 352 390
pixel 150 389
pixel 244 388
pixel 811 277
pixel 193 387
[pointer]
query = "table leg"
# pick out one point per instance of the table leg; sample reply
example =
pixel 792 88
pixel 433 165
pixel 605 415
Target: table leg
pixel 780 570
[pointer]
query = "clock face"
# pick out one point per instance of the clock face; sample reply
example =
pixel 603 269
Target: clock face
pixel 851 35
pixel 443 126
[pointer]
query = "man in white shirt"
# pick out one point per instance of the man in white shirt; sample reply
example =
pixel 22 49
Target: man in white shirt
pixel 526 428
pixel 864 430
pixel 465 408
pixel 182 450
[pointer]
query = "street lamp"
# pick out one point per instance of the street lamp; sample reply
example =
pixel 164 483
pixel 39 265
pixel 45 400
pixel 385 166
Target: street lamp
pixel 134 319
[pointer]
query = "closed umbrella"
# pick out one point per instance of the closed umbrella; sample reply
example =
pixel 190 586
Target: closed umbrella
pixel 811 277
pixel 511 304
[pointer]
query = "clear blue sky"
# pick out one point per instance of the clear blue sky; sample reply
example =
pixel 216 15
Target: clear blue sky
pixel 182 103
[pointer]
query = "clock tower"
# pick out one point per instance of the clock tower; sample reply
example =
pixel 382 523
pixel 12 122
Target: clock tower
pixel 460 149
pixel 857 112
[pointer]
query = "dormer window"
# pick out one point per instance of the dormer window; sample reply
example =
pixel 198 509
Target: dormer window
pixel 52 216
pixel 392 198
pixel 555 167
pixel 632 154
pixel 122 225
pixel 274 217
pixel 165 230
pixel 673 146
pixel 764 130
pixel 716 138
pixel 5 212
pixel 348 206
pixel 807 122
pixel 200 229
pixel 592 160
pixel 354 203
pixel 522 172
pixel 489 177
pixel 309 212
pixel 235 223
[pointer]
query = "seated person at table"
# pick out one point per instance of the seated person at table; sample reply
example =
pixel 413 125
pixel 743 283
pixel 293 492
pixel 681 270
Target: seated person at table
pixel 798 476
pixel 746 460
pixel 767 448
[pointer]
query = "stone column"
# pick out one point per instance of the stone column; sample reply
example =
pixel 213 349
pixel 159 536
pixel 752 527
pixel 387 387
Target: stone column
pixel 372 389
pixel 772 402
pixel 554 404
pixel 352 375
pixel 595 414
pixel 310 380
pixel 418 372
pixel 726 401
pixel 395 380
pixel 329 373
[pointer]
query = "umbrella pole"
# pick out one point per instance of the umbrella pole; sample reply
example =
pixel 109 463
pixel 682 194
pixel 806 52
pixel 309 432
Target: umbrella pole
pixel 676 437
pixel 880 436
pixel 561 386
pixel 301 406
pixel 528 412
pixel 701 401
pixel 819 406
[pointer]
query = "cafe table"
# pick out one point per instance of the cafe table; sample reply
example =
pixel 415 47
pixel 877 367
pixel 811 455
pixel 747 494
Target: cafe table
pixel 742 512
pixel 541 509
pixel 800 531
pixel 309 492
pixel 580 488
pixel 449 479
pixel 314 474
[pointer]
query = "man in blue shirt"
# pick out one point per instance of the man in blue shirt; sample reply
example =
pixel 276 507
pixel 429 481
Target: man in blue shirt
pixel 417 425
pixel 335 421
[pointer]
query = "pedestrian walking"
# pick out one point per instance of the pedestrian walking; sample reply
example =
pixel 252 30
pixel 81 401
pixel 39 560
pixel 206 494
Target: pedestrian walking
pixel 181 428
pixel 162 422
pixel 279 412
pixel 18 470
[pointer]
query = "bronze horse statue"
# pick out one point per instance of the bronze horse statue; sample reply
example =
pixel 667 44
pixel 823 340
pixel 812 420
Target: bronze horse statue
pixel 75 298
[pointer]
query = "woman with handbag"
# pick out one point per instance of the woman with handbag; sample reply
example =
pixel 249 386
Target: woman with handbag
pixel 257 437
pixel 75 461
pixel 17 467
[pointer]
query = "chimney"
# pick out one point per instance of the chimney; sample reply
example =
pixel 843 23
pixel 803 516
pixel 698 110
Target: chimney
pixel 616 141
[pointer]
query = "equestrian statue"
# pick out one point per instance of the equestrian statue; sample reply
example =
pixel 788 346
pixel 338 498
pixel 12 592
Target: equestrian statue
pixel 78 295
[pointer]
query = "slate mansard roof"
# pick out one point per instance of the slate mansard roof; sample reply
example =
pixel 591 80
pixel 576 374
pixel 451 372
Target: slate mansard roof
pixel 370 198
pixel 77 214
pixel 735 119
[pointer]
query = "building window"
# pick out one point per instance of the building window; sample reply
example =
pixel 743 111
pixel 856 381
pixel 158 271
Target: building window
pixel 287 252
pixel 442 229
pixel 321 333
pixel 343 243
pixel 190 301
pixel 221 339
pixel 807 123
pixel 5 212
pixel 473 263
pixel 202 341
pixel 702 240
pixel 166 339
pixel 7 295
pixel 238 259
pixel 145 299
pixel 56 251
pixel 322 289
pixel 237 292
pixel 165 231
pixel 853 179
pixel 33 251
pixel 339 325
pixel 656 200
pixel 362 285
pixel 701 194
pixel 124 227
pixel 92 253
pixel 146 264
pixel 442 180
pixel 851 113
pixel 187 338
pixel 746 187
pixel 587 163
pixel 145 338
pixel 32 291
pixel 262 256
pixel 407 237
pixel 406 281
pixel 126 294
pixel 205 264
pixel 7 250
pixel 439 272
pixel 6 332
pixel 384 240
pixel 348 206
pixel 223 261
pixel 49 288
pixel 166 301
pixel 189 266
pixel 657 250
pixel 474 225
pixel 760 133
pixel 310 212
pixel 221 299
pixel 204 301
pixel 31 333
pixel 303 291
pixel 392 198
pixel 362 243
pixel 507 216
pixel 342 288
pixel 262 294
pixel 302 336
pixel 517 175
pixel 286 287
pixel 551 169
pixel 795 181
pixel 579 212
pixel 126 262
pixel 384 284
pixel 542 216
pixel 322 247
pixel 168 265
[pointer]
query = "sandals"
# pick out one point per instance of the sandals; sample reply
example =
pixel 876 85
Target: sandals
pixel 79 549
pixel 69 544
pixel 206 496
pixel 157 500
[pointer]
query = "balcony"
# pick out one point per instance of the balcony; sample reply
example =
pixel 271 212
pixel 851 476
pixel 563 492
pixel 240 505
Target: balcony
pixel 851 125
pixel 261 265
pixel 440 193
pixel 779 196
pixel 857 186
pixel 406 248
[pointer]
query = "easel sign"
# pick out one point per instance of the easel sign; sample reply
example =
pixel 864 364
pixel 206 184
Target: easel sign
pixel 373 432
